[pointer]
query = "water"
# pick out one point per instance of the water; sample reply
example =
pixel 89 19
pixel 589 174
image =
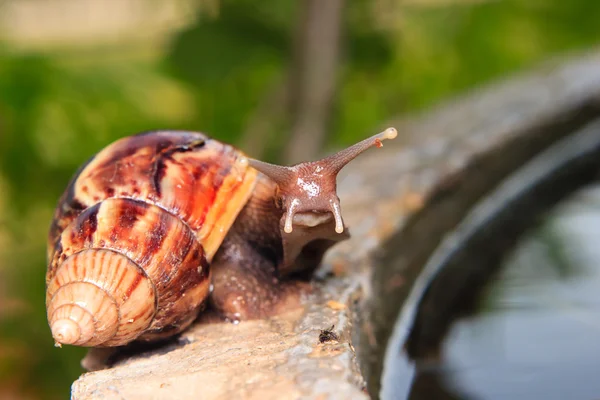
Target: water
pixel 537 335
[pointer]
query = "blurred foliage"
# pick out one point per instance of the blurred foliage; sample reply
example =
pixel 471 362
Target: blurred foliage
pixel 59 106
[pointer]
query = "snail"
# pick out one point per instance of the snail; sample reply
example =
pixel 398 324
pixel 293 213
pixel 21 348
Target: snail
pixel 157 225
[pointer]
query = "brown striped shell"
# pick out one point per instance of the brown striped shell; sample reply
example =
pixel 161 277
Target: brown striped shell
pixel 134 233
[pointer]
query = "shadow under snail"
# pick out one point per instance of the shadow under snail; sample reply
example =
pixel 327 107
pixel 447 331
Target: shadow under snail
pixel 157 225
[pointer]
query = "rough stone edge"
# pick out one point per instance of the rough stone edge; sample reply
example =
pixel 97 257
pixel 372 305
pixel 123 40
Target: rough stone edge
pixel 367 183
pixel 327 371
pixel 487 134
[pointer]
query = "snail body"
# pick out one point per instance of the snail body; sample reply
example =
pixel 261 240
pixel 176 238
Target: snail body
pixel 150 224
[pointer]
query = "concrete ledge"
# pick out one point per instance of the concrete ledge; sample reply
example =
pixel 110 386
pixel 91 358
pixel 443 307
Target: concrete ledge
pixel 399 202
pixel 280 358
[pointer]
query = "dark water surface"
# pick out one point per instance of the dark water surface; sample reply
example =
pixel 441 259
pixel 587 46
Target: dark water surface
pixel 538 334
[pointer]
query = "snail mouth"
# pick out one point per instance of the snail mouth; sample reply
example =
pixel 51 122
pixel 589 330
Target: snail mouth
pixel 312 218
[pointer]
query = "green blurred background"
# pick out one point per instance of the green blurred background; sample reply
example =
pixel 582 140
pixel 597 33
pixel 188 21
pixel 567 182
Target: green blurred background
pixel 78 74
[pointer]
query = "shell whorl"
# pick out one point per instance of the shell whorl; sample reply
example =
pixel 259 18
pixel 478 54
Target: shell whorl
pixel 133 235
pixel 99 297
pixel 134 257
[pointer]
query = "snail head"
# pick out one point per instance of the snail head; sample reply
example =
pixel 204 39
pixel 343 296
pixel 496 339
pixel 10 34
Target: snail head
pixel 306 192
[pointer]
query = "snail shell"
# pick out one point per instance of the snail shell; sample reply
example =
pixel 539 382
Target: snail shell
pixel 134 234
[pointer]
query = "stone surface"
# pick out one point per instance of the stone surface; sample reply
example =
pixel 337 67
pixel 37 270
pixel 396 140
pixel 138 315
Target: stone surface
pixel 279 358
pixel 454 157
pixel 400 200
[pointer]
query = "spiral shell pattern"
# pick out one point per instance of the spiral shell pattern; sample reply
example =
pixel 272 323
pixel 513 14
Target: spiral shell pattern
pixel 134 233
